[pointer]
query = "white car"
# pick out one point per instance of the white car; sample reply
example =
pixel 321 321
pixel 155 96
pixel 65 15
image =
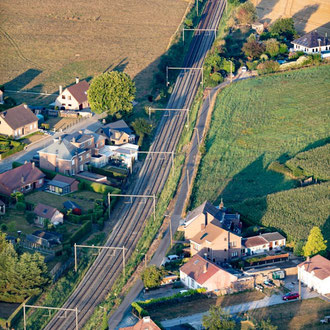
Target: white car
pixel 244 69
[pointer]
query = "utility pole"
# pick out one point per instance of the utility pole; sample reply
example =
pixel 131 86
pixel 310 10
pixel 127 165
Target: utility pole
pixel 299 287
pixel 75 257
pixel 197 6
pixel 124 265
pixel 195 128
pixel 109 206
pixel 24 316
pixel 188 184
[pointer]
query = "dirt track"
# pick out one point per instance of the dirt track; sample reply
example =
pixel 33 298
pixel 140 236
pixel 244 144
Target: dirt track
pixel 307 14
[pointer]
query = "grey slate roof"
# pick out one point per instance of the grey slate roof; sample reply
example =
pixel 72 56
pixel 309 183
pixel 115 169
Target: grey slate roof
pixel 119 125
pixel 19 116
pixel 63 149
pixel 79 137
pixel 310 40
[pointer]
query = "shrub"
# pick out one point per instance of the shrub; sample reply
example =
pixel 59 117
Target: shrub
pixel 30 217
pixel 81 232
pixel 268 67
pixel 20 206
pixel 3 227
pixel 152 277
pixel 45 125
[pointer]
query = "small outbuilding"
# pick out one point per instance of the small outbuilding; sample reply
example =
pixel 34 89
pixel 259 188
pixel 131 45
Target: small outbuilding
pixel 76 209
pixel 46 213
pixel 62 185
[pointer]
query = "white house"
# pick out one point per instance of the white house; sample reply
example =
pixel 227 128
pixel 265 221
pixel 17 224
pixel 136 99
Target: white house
pixel 127 153
pixel 315 273
pixel 312 43
pixel 73 97
pixel 255 245
pixel 276 240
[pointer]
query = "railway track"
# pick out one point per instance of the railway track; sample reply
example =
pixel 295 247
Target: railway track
pixel 152 177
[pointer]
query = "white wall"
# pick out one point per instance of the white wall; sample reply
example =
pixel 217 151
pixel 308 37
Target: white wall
pixel 310 50
pixel 313 282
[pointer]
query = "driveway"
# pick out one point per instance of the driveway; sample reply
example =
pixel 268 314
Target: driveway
pixel 196 319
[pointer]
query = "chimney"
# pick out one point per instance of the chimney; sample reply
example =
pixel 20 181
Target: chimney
pixel 80 132
pixel 77 80
pixel 22 179
pixel 25 162
pixel 73 140
pixel 146 319
pixel 205 267
pixel 221 206
pixel 33 165
pixel 205 255
pixel 117 134
pixel 202 226
pixel 308 259
pixel 60 89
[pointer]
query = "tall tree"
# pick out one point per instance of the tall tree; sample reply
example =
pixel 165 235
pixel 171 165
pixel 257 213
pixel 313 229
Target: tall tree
pixel 315 243
pixel 246 13
pixel 253 49
pixel 284 27
pixel 218 319
pixel 142 127
pixel 152 276
pixel 111 92
pixel 272 47
pixel 20 276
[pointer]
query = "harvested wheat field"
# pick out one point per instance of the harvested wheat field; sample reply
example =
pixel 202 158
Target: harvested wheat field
pixel 308 15
pixel 47 43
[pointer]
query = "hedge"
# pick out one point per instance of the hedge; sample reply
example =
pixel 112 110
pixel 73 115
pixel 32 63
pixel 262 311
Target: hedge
pixel 110 173
pixel 10 152
pixel 81 232
pixel 96 187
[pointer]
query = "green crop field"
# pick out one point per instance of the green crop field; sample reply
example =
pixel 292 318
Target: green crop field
pixel 257 122
pixel 314 162
pixel 44 44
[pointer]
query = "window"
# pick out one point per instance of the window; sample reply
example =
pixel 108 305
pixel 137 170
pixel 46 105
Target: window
pixel 19 131
pixel 69 105
pixel 234 254
pixel 72 162
pixel 63 97
pixel 31 126
pixel 80 158
pixel 69 97
pixel 225 238
pixel 89 142
pixel 40 181
pixel 35 125
pixel 232 244
pixel 88 155
pixel 225 250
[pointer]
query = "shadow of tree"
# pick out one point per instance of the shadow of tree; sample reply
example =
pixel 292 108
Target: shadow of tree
pixel 301 17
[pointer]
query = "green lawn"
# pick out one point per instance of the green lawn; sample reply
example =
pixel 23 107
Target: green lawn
pixel 200 304
pixel 256 122
pixel 305 314
pixel 15 220
pixel 85 199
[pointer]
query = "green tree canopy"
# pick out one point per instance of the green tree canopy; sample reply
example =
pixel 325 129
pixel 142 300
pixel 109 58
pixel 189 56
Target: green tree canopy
pixel 152 276
pixel 266 325
pixel 111 92
pixel 20 276
pixel 142 127
pixel 218 319
pixel 284 27
pixel 315 243
pixel 246 13
pixel 272 47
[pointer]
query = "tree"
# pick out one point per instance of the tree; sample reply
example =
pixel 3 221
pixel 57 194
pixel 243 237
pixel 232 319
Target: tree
pixel 111 92
pixel 152 277
pixel 253 49
pixel 315 243
pixel 284 27
pixel 272 47
pixel 218 319
pixel 21 276
pixel 142 127
pixel 246 13
pixel 268 67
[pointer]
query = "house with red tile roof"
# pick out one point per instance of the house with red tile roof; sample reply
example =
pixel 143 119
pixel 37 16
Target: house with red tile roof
pixel 18 121
pixel 315 273
pixel 201 273
pixel 145 323
pixel 73 97
pixel 46 213
pixel 23 179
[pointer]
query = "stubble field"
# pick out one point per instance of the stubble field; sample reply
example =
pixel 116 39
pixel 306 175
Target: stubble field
pixel 48 43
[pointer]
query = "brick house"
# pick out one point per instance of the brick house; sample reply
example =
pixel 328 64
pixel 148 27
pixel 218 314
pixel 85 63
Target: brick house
pixel 47 213
pixel 18 121
pixel 73 97
pixel 213 233
pixel 23 179
pixel 117 133
pixel 201 273
pixel 62 185
pixel 63 157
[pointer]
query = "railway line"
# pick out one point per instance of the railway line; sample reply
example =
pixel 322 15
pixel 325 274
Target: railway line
pixel 152 177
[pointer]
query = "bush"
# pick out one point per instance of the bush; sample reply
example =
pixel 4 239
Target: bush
pixel 97 187
pixel 20 206
pixel 30 216
pixel 81 232
pixel 268 67
pixel 252 65
pixel 152 276
pixel 3 227
pixel 45 125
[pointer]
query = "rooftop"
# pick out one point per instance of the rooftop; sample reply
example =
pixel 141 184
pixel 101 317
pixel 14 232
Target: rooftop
pixel 254 241
pixel 311 40
pixel 79 91
pixel 19 116
pixel 62 148
pixel 44 211
pixel 317 264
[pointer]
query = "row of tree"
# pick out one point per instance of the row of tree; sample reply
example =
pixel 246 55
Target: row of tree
pixel 21 275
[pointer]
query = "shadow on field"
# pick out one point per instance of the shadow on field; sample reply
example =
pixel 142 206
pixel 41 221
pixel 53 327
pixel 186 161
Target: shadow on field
pixel 254 181
pixel 266 7
pixel 302 16
pixel 23 79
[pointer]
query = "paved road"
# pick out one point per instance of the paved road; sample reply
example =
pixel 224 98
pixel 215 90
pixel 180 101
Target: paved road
pixel 196 319
pixel 27 154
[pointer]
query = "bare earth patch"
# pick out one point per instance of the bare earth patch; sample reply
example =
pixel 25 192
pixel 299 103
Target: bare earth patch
pixel 48 43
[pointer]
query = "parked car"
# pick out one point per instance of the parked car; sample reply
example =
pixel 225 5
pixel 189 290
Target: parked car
pixel 172 257
pixel 244 69
pixel 291 296
pixel 268 283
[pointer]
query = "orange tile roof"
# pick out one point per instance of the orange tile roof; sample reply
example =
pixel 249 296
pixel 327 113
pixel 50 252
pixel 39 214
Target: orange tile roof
pixel 319 265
